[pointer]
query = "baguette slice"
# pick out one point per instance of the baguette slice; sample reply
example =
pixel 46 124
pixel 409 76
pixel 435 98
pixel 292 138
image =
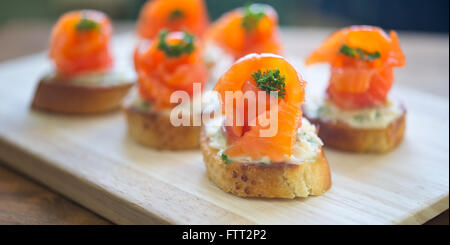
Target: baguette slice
pixel 55 95
pixel 154 129
pixel 277 180
pixel 341 136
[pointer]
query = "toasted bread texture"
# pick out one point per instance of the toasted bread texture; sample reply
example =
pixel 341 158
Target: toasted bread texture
pixel 154 129
pixel 341 136
pixel 66 97
pixel 276 180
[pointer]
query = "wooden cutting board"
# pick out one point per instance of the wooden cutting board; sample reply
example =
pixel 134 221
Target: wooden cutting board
pixel 93 161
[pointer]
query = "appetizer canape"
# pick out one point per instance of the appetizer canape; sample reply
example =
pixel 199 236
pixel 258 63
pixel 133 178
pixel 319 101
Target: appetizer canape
pixel 83 81
pixel 173 62
pixel 172 15
pixel 286 163
pixel 356 114
pixel 183 15
pixel 251 29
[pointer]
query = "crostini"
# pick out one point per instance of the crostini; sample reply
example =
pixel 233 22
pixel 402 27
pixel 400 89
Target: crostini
pixel 356 114
pixel 172 62
pixel 172 15
pixel 83 80
pixel 240 158
pixel 250 29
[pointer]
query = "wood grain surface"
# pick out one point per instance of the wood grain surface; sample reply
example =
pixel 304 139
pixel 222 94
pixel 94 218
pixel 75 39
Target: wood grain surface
pixel 24 202
pixel 33 69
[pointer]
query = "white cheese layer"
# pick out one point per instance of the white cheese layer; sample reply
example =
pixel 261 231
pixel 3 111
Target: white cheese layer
pixel 94 79
pixel 208 100
pixel 306 148
pixel 367 118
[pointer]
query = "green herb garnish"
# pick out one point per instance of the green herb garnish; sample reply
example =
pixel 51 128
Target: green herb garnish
pixel 271 80
pixel 225 158
pixel 362 54
pixel 359 118
pixel 346 50
pixel 253 13
pixel 176 14
pixel 145 105
pixel 86 24
pixel 322 111
pixel 308 138
pixel 377 115
pixel 185 46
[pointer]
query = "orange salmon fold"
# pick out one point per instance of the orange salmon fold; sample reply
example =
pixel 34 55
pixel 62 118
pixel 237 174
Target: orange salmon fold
pixel 172 15
pixel 355 82
pixel 230 33
pixel 159 75
pixel 246 140
pixel 79 42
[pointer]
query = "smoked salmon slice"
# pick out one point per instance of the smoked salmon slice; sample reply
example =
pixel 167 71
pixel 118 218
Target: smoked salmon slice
pixel 252 73
pixel 251 29
pixel 170 63
pixel 362 59
pixel 79 42
pixel 173 15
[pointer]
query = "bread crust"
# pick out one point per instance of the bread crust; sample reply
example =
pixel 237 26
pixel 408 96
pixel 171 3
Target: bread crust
pixel 341 136
pixel 154 129
pixel 276 180
pixel 69 98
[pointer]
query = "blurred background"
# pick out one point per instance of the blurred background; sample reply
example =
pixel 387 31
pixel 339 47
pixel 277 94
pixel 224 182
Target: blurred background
pixel 29 21
pixel 431 15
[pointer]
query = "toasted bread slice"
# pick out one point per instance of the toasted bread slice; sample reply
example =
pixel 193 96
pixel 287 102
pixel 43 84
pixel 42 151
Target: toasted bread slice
pixel 154 129
pixel 276 180
pixel 341 136
pixel 55 95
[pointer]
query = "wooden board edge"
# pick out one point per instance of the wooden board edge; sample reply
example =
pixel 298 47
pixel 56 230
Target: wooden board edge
pixel 74 188
pixel 425 215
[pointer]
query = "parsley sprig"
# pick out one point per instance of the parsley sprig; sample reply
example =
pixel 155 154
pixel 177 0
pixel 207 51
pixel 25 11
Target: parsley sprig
pixel 225 158
pixel 362 54
pixel 185 46
pixel 86 24
pixel 253 13
pixel 176 14
pixel 271 80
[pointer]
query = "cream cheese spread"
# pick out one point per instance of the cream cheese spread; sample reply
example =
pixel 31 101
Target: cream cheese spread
pixel 92 79
pixel 306 149
pixel 367 118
